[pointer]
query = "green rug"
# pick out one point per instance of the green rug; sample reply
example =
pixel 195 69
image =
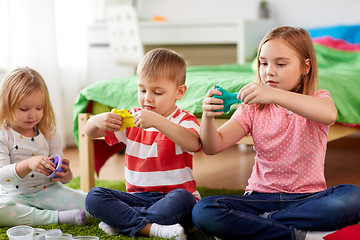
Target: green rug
pixel 92 227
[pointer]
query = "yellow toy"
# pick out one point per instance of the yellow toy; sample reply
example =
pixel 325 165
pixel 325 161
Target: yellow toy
pixel 128 119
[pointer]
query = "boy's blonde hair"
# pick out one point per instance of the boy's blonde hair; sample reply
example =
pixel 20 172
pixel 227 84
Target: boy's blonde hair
pixel 18 84
pixel 300 41
pixel 164 64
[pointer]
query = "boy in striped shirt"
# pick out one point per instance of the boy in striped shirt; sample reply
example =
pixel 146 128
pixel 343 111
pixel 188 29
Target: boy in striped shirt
pixel 161 189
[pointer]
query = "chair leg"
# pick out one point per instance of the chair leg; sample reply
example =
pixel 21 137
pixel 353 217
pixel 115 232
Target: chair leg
pixel 86 156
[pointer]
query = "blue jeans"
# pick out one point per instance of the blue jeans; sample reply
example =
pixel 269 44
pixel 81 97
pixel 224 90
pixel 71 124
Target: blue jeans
pixel 130 212
pixel 277 215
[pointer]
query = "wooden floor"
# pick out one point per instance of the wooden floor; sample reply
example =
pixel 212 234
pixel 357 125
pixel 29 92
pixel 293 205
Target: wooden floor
pixel 231 168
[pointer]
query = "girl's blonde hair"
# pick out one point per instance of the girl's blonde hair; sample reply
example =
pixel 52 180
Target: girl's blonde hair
pixel 164 64
pixel 18 84
pixel 300 41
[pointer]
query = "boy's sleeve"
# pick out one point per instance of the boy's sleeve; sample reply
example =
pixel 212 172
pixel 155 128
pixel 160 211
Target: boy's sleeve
pixel 190 122
pixel 110 138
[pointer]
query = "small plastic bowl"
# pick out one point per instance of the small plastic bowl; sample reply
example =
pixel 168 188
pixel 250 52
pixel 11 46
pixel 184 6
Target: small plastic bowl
pixel 51 232
pixel 85 238
pixel 63 236
pixel 38 232
pixel 57 161
pixel 21 232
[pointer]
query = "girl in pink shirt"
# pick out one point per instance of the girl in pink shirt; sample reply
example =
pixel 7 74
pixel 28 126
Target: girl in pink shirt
pixel 288 119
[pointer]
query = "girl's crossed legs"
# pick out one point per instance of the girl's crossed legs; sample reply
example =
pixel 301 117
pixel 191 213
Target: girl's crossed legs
pixel 277 215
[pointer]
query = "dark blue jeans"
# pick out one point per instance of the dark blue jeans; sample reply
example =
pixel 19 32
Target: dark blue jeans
pixel 276 215
pixel 130 212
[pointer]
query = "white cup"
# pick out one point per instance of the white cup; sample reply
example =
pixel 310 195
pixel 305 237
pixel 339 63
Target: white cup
pixel 21 232
pixel 51 232
pixel 39 234
pixel 85 238
pixel 63 236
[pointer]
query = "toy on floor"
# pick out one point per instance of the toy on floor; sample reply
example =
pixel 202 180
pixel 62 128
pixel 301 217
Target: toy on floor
pixel 128 119
pixel 57 161
pixel 228 98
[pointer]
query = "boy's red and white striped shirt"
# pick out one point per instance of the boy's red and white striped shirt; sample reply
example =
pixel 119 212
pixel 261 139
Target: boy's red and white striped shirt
pixel 153 162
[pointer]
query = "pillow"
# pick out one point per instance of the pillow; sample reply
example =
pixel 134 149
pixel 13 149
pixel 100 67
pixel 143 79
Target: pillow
pixel 347 233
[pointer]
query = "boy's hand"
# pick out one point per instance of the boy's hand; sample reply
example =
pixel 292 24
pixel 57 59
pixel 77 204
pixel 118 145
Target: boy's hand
pixel 146 119
pixel 210 104
pixel 108 121
pixel 65 176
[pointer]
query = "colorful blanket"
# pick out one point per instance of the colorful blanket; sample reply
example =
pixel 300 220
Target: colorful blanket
pixel 338 55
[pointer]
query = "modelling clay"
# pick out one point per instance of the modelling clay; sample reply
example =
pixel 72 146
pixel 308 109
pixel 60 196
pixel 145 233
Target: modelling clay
pixel 128 119
pixel 228 98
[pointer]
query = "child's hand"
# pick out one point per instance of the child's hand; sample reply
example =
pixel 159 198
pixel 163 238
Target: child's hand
pixel 256 93
pixel 146 118
pixel 65 176
pixel 210 104
pixel 108 121
pixel 41 164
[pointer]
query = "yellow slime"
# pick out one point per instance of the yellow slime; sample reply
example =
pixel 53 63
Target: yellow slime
pixel 128 119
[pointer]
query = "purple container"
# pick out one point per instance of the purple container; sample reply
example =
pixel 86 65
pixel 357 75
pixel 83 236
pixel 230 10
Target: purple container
pixel 57 161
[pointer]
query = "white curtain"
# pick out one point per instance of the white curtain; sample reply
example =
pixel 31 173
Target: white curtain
pixel 50 37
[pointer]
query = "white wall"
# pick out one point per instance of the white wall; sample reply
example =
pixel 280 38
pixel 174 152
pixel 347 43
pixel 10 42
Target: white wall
pixel 304 13
pixel 198 9
pixel 314 13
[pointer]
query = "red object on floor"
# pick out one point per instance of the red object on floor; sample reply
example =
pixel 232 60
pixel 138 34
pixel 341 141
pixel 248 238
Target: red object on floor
pixel 347 233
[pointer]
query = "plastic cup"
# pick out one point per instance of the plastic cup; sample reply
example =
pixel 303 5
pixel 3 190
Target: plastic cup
pixel 51 232
pixel 57 161
pixel 85 238
pixel 38 233
pixel 63 236
pixel 22 232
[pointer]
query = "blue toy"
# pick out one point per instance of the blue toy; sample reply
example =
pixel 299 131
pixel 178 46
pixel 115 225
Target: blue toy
pixel 228 98
pixel 57 161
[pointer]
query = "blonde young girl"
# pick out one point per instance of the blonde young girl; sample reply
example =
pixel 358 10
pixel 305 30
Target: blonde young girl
pixel 288 119
pixel 27 140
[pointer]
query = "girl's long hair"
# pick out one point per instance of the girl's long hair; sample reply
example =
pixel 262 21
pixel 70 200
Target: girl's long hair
pixel 300 41
pixel 18 84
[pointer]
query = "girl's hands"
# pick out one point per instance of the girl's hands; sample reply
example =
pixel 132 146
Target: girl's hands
pixel 46 166
pixel 41 164
pixel 65 176
pixel 210 104
pixel 257 93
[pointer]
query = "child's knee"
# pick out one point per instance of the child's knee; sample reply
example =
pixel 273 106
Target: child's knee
pixel 93 197
pixel 352 197
pixel 182 196
pixel 200 215
pixel 349 195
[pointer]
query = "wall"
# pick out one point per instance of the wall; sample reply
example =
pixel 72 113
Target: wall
pixel 314 13
pixel 304 13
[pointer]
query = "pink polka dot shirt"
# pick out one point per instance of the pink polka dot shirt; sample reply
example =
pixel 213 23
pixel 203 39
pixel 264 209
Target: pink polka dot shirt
pixel 290 149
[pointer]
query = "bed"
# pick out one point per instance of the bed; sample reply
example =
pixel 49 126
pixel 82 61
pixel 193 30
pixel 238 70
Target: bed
pixel 338 54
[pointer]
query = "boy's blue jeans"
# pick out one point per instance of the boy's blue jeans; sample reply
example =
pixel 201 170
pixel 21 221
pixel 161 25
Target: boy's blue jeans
pixel 130 212
pixel 276 215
